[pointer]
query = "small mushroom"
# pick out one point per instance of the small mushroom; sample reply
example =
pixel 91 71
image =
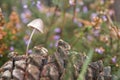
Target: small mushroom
pixel 36 24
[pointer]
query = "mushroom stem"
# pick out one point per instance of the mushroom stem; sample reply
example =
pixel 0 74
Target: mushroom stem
pixel 29 41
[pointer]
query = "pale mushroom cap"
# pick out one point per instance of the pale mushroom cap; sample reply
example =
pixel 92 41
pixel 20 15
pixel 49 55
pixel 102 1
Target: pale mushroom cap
pixel 37 24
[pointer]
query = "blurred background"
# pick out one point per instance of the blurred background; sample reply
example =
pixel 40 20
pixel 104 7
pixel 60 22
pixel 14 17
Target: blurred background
pixel 85 24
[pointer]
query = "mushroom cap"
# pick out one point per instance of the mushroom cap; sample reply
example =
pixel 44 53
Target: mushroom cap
pixel 36 24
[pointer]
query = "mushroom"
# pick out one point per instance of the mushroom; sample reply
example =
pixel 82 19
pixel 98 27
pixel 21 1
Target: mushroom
pixel 36 24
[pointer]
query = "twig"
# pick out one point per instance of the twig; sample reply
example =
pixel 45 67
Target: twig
pixel 74 10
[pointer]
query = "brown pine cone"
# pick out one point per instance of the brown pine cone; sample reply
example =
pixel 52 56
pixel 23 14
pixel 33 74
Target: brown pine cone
pixel 41 66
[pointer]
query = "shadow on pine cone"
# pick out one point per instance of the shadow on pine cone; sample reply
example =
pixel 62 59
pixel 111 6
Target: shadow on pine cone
pixel 41 66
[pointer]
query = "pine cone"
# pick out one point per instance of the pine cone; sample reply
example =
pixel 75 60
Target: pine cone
pixel 41 66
